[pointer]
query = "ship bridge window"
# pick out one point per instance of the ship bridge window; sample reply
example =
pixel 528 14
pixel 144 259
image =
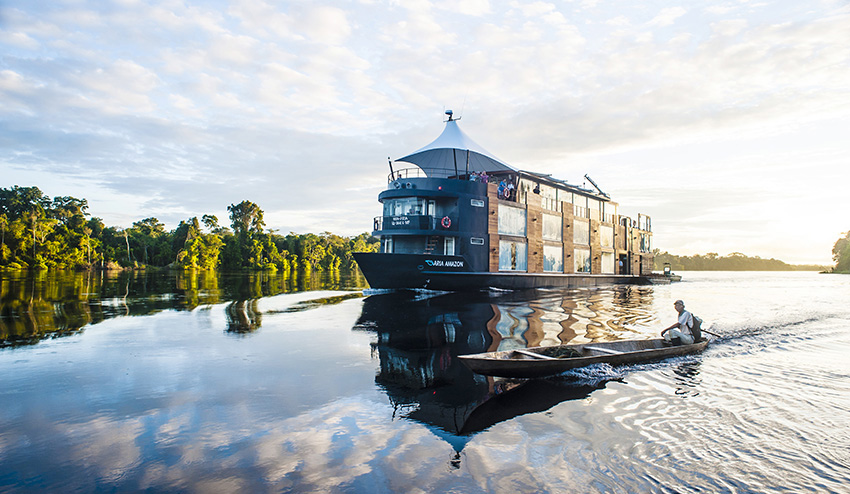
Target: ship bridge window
pixel 404 206
pixel 511 220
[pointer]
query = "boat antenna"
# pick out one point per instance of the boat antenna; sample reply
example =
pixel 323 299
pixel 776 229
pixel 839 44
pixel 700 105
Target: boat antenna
pixel 392 173
pixel 597 187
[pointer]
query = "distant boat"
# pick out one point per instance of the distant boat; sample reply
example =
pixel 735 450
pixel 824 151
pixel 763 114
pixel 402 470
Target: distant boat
pixel 668 272
pixel 551 360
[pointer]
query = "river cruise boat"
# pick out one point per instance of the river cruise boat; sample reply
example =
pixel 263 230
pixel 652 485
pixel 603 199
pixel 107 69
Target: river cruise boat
pixel 457 218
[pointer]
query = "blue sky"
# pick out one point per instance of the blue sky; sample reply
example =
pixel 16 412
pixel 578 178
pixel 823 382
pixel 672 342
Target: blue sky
pixel 727 122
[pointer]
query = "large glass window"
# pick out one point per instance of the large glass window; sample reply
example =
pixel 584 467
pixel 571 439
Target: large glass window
pixel 606 236
pixel 581 232
pixel 513 256
pixel 511 220
pixel 582 260
pixel 404 206
pixel 551 227
pixel 608 263
pixel 553 258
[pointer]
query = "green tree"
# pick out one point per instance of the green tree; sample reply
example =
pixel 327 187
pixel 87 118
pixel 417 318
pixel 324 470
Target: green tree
pixel 841 254
pixel 5 253
pixel 145 237
pixel 246 217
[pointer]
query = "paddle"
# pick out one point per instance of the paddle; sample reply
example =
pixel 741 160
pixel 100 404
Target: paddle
pixel 709 332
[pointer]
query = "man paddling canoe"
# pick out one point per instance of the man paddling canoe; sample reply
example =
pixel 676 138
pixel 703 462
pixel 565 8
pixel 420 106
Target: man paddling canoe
pixel 679 333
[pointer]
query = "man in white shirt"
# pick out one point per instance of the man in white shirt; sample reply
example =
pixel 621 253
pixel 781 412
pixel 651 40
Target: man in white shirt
pixel 681 329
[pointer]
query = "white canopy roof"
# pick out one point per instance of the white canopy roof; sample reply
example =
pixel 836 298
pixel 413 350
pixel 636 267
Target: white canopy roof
pixel 454 153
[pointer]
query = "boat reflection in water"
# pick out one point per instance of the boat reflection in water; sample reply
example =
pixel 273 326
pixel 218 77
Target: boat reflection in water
pixel 419 337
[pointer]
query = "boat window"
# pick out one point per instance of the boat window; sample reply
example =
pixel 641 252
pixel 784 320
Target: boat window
pixel 553 258
pixel 610 212
pixel 607 263
pixel 552 227
pixel 594 208
pixel 580 206
pixel 511 220
pixel 404 206
pixel 606 235
pixel 409 245
pixel 449 246
pixel 513 256
pixel 581 232
pixel 582 260
pixel 645 242
pixel 388 245
pixel 549 198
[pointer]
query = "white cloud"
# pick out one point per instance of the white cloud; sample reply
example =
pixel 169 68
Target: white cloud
pixel 729 27
pixel 667 16
pixel 122 86
pixel 466 7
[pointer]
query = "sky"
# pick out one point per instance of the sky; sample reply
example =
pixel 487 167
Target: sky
pixel 728 122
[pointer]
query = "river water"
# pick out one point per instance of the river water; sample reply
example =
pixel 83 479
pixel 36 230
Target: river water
pixel 257 383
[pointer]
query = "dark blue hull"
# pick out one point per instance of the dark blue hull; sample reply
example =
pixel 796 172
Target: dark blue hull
pixel 453 273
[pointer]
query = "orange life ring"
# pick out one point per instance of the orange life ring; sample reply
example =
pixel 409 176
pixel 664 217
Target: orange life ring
pixel 446 222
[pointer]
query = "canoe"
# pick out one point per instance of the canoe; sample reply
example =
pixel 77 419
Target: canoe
pixel 550 360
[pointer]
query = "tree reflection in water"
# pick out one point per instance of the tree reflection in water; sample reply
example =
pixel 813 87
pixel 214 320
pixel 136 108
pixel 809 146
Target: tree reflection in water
pixel 418 339
pixel 243 316
pixel 50 304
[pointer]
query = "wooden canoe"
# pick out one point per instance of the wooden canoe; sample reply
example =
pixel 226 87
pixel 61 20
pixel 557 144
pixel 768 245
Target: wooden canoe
pixel 550 360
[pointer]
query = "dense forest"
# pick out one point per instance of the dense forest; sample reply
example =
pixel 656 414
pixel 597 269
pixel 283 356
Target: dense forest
pixel 37 232
pixel 733 262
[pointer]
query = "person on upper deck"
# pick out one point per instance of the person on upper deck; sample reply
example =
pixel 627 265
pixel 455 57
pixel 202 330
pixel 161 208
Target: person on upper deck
pixel 679 333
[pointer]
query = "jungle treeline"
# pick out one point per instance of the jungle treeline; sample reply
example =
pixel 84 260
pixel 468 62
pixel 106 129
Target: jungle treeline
pixel 732 262
pixel 37 232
